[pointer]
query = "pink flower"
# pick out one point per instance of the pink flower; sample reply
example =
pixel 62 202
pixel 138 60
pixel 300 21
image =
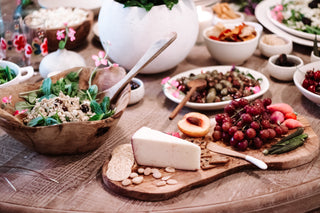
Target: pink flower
pixel 71 34
pixel 60 34
pixel 255 89
pixel 28 50
pixel 175 83
pixel 165 80
pixel 100 58
pixel 44 47
pixel 17 112
pixel 20 42
pixel 176 94
pixel 115 65
pixel 3 44
pixel 7 100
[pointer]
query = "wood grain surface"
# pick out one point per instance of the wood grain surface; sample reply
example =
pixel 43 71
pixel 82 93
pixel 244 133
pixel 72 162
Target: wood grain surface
pixel 187 180
pixel 81 189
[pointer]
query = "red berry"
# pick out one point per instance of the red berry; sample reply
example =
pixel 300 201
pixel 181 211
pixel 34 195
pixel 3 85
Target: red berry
pixel 238 135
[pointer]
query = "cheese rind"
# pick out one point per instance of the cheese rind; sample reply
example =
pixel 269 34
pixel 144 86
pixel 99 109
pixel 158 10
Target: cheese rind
pixel 155 148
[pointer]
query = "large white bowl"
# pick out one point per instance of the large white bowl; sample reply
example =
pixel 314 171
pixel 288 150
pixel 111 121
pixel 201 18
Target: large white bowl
pixel 132 30
pixel 232 53
pixel 299 76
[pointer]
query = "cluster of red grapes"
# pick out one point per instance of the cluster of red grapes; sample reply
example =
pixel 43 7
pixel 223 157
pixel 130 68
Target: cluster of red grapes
pixel 312 81
pixel 246 124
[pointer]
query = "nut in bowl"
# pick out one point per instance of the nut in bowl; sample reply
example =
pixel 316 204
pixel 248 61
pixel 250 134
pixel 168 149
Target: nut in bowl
pixel 282 67
pixel 54 19
pixel 301 75
pixel 11 74
pixel 64 137
pixel 232 51
pixel 272 44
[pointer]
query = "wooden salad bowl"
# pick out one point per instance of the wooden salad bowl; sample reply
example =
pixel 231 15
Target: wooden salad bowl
pixel 65 138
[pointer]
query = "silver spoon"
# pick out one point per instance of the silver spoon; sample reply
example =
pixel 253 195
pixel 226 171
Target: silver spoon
pixel 149 56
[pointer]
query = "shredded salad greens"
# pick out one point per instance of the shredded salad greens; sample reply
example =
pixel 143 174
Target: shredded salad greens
pixel 6 74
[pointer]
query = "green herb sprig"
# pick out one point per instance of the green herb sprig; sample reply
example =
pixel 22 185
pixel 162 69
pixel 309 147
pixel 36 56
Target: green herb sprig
pixel 6 74
pixel 148 4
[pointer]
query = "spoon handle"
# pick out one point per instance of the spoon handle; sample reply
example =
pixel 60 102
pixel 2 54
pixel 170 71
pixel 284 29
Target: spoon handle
pixel 155 49
pixel 182 103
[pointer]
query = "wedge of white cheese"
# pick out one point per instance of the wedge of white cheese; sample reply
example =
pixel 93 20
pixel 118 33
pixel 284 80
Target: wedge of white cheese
pixel 158 149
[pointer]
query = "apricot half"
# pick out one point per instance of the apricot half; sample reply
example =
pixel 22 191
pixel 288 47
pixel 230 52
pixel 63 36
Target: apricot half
pixel 194 124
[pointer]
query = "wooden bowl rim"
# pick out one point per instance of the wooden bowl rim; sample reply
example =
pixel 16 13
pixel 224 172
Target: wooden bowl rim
pixel 89 18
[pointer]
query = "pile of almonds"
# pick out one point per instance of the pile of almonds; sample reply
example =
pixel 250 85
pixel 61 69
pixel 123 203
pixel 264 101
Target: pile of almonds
pixel 137 176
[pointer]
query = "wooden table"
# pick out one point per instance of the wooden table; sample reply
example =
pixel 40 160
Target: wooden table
pixel 80 187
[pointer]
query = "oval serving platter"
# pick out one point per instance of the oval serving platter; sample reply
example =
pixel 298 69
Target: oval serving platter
pixel 282 26
pixel 264 84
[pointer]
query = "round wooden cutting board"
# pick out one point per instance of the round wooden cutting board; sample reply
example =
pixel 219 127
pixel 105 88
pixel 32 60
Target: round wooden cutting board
pixel 187 180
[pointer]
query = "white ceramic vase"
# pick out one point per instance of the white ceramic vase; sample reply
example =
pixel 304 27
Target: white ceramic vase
pixel 58 61
pixel 132 30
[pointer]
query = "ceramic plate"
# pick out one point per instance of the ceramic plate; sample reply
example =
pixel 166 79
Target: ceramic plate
pixel 219 105
pixel 85 4
pixel 282 26
pixel 261 14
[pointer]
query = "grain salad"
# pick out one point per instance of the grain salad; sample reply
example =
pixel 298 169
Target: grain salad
pixel 68 109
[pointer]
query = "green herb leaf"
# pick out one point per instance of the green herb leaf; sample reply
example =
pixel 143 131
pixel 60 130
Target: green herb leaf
pixel 95 107
pixel 96 117
pixel 38 121
pixel 23 105
pixel 93 91
pixel 105 104
pixel 31 98
pixel 51 121
pixel 46 86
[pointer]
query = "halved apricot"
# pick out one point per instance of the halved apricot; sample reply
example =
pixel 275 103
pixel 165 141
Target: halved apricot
pixel 194 124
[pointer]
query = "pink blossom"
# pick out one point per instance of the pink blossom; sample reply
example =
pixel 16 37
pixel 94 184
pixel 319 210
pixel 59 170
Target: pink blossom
pixel 71 34
pixel 7 100
pixel 60 34
pixel 255 89
pixel 165 80
pixel 100 59
pixel 17 112
pixel 115 65
pixel 175 83
pixel 176 94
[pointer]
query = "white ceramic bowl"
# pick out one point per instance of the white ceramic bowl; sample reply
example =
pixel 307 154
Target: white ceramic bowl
pixel 299 76
pixel 138 93
pixel 22 74
pixel 314 58
pixel 232 53
pixel 283 73
pixel 270 50
pixel 216 19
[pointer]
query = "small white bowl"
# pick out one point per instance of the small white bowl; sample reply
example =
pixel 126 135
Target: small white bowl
pixel 216 19
pixel 281 72
pixel 314 58
pixel 298 78
pixel 22 73
pixel 268 49
pixel 138 93
pixel 232 53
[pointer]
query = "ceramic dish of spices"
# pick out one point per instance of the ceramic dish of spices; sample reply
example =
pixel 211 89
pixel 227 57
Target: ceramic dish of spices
pixel 272 44
pixel 137 91
pixel 282 67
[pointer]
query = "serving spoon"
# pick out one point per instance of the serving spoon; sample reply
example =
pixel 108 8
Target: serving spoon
pixel 154 50
pixel 193 85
